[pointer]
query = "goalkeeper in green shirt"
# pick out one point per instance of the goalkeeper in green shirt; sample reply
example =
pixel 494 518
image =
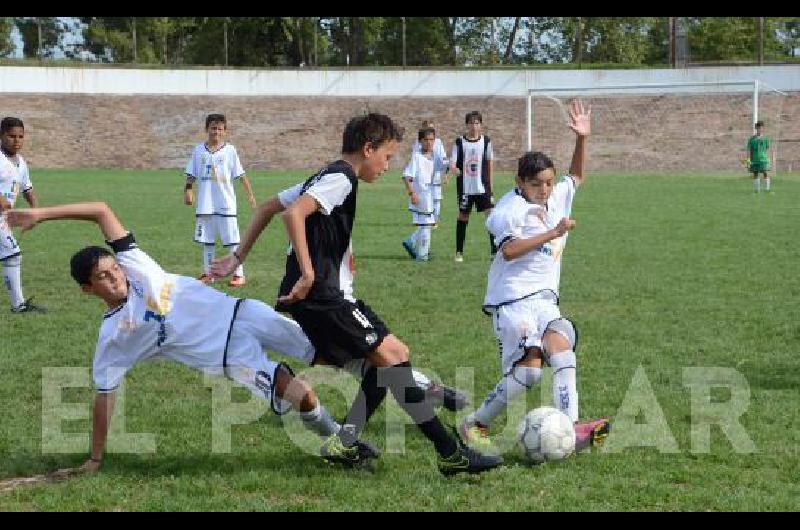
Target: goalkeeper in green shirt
pixel 758 157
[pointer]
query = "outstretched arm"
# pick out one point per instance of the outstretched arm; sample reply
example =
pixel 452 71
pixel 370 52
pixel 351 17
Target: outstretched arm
pixel 263 216
pixel 98 212
pixel 580 121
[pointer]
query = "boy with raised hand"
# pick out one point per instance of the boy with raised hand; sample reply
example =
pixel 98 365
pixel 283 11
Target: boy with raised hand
pixel 530 226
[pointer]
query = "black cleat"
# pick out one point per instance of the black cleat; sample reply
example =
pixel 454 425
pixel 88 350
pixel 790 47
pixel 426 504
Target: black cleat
pixel 467 460
pixel 28 307
pixel 449 398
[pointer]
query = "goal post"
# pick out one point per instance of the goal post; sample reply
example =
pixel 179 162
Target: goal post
pixel 697 126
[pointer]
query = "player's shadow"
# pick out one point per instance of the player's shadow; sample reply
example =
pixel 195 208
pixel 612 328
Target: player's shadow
pixel 382 257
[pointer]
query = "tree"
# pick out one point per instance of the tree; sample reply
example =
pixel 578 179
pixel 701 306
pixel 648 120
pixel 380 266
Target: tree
pixel 40 35
pixel 6 27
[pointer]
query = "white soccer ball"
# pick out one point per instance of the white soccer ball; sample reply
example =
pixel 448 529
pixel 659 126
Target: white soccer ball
pixel 545 434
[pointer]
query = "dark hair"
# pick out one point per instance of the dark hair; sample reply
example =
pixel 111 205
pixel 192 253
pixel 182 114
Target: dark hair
pixel 759 123
pixel 374 128
pixel 532 163
pixel 425 132
pixel 9 123
pixel 471 115
pixel 216 118
pixel 82 263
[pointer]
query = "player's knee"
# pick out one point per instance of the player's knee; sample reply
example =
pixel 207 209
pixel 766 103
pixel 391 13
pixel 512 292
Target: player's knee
pixel 527 375
pixel 560 335
pixel 295 391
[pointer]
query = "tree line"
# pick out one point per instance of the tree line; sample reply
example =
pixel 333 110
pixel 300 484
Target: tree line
pixel 399 41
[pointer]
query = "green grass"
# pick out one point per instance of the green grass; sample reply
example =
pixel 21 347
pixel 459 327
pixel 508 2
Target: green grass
pixel 664 272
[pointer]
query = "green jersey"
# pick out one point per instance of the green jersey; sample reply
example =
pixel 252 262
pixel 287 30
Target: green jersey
pixel 758 147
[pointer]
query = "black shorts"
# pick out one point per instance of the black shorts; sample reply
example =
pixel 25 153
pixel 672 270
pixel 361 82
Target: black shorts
pixel 482 202
pixel 351 331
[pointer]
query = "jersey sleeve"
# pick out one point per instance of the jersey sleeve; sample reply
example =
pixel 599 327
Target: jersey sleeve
pixel 288 196
pixel 237 170
pixel 563 195
pixel 110 363
pixel 143 272
pixel 410 172
pixel 191 166
pixel 25 183
pixel 330 191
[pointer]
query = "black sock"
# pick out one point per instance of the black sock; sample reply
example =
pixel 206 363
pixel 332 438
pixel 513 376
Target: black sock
pixel 368 399
pixel 411 399
pixel 461 234
pixel 491 243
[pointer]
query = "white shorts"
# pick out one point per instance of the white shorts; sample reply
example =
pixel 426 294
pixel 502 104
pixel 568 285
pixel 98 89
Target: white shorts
pixel 422 213
pixel 437 192
pixel 256 329
pixel 209 227
pixel 523 324
pixel 8 244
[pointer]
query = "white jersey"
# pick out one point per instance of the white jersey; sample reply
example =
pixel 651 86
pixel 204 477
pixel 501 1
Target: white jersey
pixel 14 177
pixel 420 172
pixel 439 153
pixel 166 316
pixel 472 172
pixel 215 172
pixel 514 218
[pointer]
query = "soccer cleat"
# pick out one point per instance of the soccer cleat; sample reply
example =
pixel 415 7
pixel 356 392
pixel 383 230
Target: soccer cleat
pixel 359 454
pixel 422 259
pixel 459 257
pixel 237 281
pixel 28 307
pixel 450 398
pixel 205 278
pixel 476 436
pixel 409 246
pixel 591 433
pixel 467 460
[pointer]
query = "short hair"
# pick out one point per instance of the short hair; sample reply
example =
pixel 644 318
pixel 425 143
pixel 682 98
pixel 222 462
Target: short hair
pixel 216 118
pixel 374 128
pixel 759 123
pixel 474 114
pixel 9 123
pixel 532 163
pixel 427 124
pixel 84 261
pixel 425 132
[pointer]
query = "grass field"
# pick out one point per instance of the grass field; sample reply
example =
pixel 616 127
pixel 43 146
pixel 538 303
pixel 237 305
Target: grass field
pixel 663 273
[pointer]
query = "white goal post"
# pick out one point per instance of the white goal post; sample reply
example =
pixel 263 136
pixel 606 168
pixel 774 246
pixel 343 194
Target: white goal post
pixel 689 102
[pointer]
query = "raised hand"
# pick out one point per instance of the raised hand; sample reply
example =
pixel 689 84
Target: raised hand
pixel 580 119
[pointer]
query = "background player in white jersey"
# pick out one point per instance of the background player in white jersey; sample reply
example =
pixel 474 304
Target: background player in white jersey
pixel 436 186
pixel 418 179
pixel 153 314
pixel 215 165
pixel 14 179
pixel 530 225
pixel 472 162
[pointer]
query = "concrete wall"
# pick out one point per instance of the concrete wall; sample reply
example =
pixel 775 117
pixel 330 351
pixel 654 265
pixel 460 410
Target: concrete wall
pixel 134 118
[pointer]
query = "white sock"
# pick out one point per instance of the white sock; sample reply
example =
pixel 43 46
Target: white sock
pixel 240 269
pixel 437 209
pixel 208 255
pixel 11 273
pixel 767 181
pixel 515 383
pixel 320 421
pixel 757 183
pixel 423 241
pixel 565 387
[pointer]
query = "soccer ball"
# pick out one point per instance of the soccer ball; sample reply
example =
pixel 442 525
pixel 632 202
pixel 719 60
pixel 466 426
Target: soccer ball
pixel 545 434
